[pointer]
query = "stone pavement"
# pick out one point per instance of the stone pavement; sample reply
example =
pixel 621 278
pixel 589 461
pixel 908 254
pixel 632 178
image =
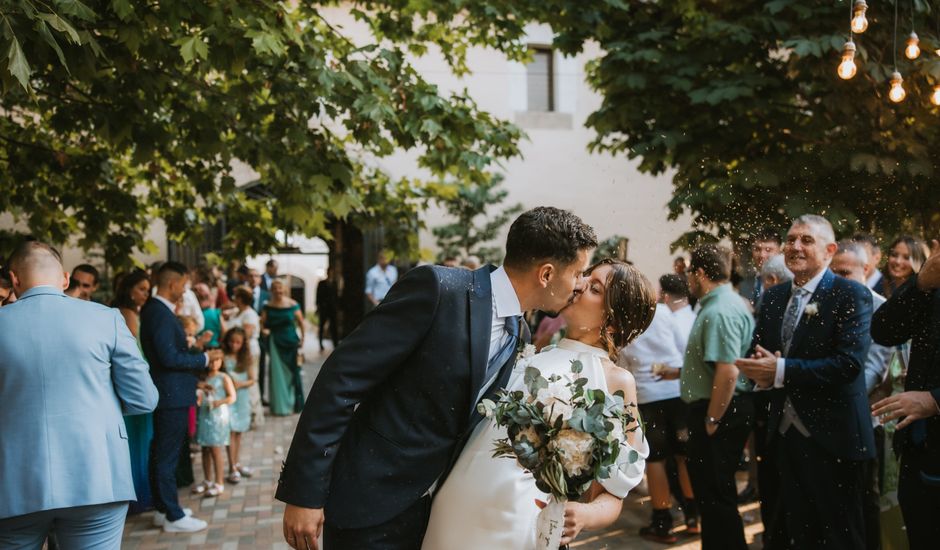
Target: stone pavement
pixel 246 516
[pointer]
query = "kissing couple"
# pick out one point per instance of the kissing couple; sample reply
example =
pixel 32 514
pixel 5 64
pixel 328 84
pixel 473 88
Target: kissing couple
pixel 390 451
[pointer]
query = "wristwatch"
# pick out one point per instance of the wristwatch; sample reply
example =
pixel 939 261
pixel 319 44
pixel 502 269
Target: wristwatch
pixel 713 421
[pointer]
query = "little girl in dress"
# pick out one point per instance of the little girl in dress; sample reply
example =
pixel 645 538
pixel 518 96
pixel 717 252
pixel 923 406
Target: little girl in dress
pixel 238 365
pixel 213 426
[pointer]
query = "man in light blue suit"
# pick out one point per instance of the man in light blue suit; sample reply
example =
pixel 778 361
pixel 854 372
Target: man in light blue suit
pixel 68 370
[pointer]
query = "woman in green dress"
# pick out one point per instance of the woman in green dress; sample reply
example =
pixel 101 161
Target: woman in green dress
pixel 282 322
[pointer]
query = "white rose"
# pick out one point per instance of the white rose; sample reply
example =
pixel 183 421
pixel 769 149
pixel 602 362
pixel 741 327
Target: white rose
pixel 574 449
pixel 556 401
pixel 528 351
pixel 811 309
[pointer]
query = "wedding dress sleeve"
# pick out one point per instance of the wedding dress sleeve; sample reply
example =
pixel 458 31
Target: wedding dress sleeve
pixel 631 462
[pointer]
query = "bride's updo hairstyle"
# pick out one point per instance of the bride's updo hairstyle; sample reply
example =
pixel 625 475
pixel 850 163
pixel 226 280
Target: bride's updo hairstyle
pixel 629 305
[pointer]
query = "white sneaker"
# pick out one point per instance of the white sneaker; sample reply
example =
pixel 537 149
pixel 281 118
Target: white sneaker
pixel 186 524
pixel 159 518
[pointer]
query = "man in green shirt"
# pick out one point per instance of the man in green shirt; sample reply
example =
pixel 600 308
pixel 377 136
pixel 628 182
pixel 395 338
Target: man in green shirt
pixel 720 408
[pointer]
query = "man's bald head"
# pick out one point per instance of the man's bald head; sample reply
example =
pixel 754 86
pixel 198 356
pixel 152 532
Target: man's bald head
pixel 36 264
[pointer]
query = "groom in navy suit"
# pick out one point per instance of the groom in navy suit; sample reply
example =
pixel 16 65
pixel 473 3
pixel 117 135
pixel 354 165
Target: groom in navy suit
pixel 395 402
pixel 811 341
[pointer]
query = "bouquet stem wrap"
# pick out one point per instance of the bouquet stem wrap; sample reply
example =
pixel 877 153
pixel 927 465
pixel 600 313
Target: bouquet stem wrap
pixel 550 525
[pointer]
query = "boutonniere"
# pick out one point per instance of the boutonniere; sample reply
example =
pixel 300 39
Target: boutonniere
pixel 811 309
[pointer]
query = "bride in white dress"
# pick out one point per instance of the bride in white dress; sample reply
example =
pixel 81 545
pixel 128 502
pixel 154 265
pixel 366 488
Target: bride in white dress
pixel 490 503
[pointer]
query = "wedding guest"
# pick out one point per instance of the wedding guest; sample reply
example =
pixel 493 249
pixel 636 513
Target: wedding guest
pixel 63 387
pixel 674 292
pixel 6 286
pixel 811 343
pixel 913 313
pixel 213 430
pixel 270 274
pixel 764 245
pixel 471 262
pixel 238 276
pixel 327 302
pixel 250 322
pixel 679 266
pixel 664 420
pixel 213 324
pixel 850 262
pixel 88 280
pixel 450 261
pixel 174 369
pixel 905 257
pixel 775 272
pixel 74 289
pixel 238 365
pixel 872 274
pixel 259 299
pixel 131 294
pixel 720 407
pixel 188 306
pixel 380 278
pixel 283 323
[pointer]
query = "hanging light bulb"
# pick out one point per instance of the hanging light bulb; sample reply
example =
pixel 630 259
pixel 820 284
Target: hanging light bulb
pixel 935 98
pixel 847 68
pixel 859 21
pixel 912 51
pixel 897 93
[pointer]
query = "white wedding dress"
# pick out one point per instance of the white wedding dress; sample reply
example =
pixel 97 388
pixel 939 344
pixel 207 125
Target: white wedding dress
pixel 489 503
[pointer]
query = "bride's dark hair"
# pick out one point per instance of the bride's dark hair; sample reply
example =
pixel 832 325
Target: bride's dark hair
pixel 629 305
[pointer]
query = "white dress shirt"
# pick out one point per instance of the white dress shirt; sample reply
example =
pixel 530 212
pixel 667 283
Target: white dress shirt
pixel 685 318
pixel 656 345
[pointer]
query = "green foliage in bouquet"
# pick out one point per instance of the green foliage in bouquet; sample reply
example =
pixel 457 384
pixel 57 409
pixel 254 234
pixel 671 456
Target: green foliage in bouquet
pixel 566 434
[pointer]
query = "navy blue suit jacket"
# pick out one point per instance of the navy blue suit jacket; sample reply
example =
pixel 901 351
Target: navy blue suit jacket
pixel 824 365
pixel 172 366
pixel 392 404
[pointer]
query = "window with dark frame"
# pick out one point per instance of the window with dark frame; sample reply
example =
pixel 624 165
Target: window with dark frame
pixel 540 78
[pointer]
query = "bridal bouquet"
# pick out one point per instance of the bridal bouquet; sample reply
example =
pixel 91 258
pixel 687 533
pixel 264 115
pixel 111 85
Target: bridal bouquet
pixel 566 434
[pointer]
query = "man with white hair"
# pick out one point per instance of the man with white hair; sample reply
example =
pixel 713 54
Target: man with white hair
pixel 811 343
pixel 774 272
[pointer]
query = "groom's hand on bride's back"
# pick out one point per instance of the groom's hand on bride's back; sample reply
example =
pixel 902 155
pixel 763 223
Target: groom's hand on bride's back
pixel 302 527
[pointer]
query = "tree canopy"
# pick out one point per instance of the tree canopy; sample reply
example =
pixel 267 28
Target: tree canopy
pixel 741 103
pixel 117 112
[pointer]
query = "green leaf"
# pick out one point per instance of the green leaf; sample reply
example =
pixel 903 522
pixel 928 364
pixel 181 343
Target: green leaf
pixel 123 9
pixel 192 47
pixel 577 366
pixel 18 66
pixel 47 36
pixel 61 25
pixel 77 9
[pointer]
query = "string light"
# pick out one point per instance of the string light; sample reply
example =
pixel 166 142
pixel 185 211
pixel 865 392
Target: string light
pixel 912 51
pixel 847 68
pixel 859 21
pixel 897 92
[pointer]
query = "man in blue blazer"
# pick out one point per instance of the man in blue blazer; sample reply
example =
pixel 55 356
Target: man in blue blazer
pixel 811 343
pixel 174 369
pixel 68 370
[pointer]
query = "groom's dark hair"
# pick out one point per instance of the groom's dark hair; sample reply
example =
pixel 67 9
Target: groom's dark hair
pixel 547 233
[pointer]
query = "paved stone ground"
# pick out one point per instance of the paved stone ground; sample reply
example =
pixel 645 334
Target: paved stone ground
pixel 246 516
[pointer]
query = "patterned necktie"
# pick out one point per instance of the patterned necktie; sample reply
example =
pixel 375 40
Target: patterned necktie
pixel 790 319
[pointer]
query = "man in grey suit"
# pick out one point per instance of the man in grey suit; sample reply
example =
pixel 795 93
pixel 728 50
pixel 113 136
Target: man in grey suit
pixel 68 370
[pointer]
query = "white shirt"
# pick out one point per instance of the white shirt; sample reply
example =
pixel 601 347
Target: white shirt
pixel 685 318
pixel 810 288
pixel 657 345
pixel 873 280
pixel 248 317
